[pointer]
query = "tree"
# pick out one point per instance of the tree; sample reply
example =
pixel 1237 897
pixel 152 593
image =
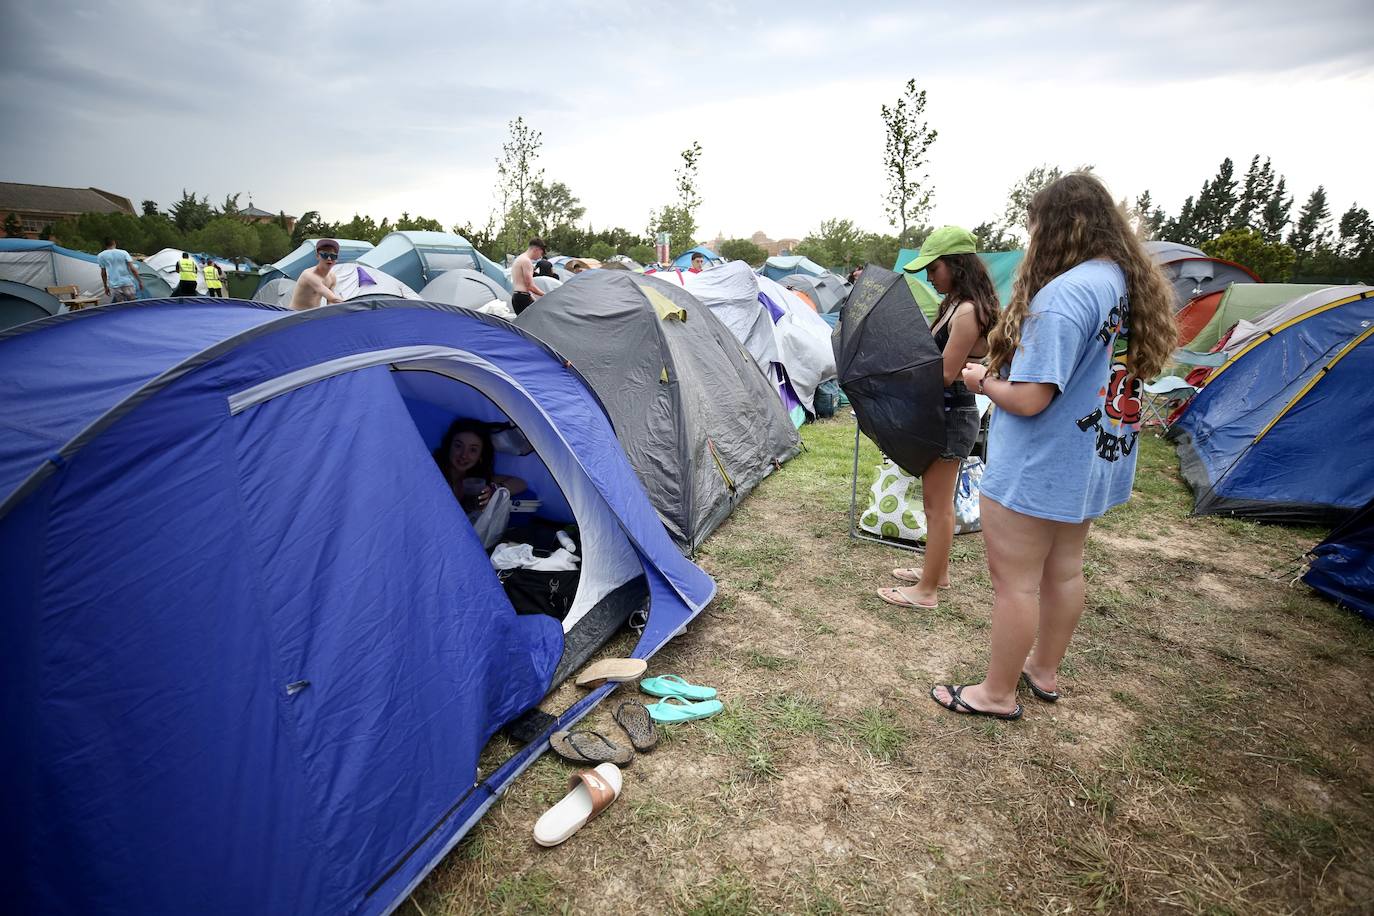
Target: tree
pixel 310 226
pixel 363 228
pixel 1274 216
pixel 600 250
pixel 273 242
pixel 1272 262
pixel 837 244
pixel 642 253
pixel 1180 228
pixel 408 223
pixel 228 238
pixel 13 228
pixel 1146 217
pixel 1215 209
pixel 191 213
pixel 679 219
pixel 1255 194
pixel 517 172
pixel 150 208
pixel 231 205
pixel 1312 228
pixel 553 205
pixel 1356 240
pixel 991 236
pixel 909 138
pixel 743 250
pixel 1020 195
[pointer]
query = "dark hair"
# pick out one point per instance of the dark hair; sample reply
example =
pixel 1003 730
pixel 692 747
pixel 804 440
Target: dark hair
pixel 185 254
pixel 538 243
pixel 485 463
pixel 108 241
pixel 969 282
pixel 544 268
pixel 698 254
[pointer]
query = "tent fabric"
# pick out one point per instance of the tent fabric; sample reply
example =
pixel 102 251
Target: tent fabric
pixel 1001 266
pixel 1298 300
pixel 803 341
pixel 302 258
pixel 1242 301
pixel 1193 273
pixel 20 303
pixel 1262 438
pixel 271 678
pixel 1195 316
pixel 41 264
pixel 826 292
pixel 779 266
pixel 701 425
pixel 684 260
pixel 1342 566
pixel 416 258
pixel 470 289
pixel 891 370
pixel 351 281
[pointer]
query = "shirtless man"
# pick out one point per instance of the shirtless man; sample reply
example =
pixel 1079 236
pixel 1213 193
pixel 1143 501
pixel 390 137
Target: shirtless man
pixel 319 280
pixel 522 277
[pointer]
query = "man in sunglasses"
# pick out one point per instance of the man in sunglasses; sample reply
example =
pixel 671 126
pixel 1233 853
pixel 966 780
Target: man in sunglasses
pixel 319 280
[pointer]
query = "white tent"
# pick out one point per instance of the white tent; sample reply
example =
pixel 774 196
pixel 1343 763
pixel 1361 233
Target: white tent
pixel 352 281
pixel 803 340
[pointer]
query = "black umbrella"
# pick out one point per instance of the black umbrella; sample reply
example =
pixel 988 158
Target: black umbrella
pixel 891 369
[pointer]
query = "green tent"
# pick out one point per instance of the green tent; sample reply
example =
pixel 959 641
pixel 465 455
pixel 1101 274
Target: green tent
pixel 1248 301
pixel 1001 267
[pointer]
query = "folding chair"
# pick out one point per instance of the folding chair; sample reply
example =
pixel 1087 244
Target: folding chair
pixel 1162 397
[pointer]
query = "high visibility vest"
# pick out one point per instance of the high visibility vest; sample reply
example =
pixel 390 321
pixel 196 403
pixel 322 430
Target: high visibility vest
pixel 186 269
pixel 212 277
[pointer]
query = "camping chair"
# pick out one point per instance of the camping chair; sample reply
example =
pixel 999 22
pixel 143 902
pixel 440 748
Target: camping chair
pixel 71 297
pixel 1162 397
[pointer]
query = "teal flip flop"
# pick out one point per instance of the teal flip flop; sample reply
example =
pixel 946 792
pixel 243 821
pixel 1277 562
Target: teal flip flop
pixel 670 685
pixel 676 709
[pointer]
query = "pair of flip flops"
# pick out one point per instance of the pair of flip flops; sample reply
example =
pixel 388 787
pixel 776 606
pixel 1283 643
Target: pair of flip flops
pixel 680 701
pixel 910 574
pixel 956 702
pixel 587 746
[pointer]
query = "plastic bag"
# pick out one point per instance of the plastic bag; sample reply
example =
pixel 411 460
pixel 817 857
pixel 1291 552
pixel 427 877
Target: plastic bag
pixel 892 506
pixel 968 515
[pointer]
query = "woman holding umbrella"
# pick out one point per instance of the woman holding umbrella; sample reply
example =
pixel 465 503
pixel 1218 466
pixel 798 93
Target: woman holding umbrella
pixel 1091 317
pixel 967 313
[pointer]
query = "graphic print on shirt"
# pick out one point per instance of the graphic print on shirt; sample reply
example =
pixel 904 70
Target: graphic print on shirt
pixel 1121 395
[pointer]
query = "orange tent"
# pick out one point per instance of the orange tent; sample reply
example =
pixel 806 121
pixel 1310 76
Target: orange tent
pixel 1194 316
pixel 807 299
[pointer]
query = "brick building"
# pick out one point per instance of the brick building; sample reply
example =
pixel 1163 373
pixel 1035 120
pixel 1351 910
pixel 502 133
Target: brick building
pixel 41 205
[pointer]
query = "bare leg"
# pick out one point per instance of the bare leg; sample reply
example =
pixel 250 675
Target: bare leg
pixel 937 495
pixel 1061 604
pixel 1017 547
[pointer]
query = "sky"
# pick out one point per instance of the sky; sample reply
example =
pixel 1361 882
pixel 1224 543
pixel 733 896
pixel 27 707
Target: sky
pixel 378 108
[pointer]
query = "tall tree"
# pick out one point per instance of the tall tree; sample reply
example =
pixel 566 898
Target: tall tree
pixel 554 205
pixel 837 244
pixel 150 208
pixel 679 219
pixel 1021 193
pixel 1215 209
pixel 1356 234
pixel 13 228
pixel 273 242
pixel 311 226
pixel 191 213
pixel 1147 218
pixel 909 137
pixel 1312 228
pixel 1272 262
pixel 517 172
pixel 1255 194
pixel 1181 228
pixel 408 223
pixel 231 204
pixel 1274 217
pixel 743 250
pixel 992 236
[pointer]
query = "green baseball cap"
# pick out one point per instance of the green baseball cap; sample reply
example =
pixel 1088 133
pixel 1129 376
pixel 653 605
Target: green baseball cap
pixel 943 241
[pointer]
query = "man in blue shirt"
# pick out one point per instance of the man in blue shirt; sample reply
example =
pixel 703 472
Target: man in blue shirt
pixel 118 273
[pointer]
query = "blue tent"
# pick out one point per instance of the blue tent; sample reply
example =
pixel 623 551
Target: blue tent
pixel 684 260
pixel 1281 430
pixel 254 646
pixel 1342 566
pixel 303 258
pixel 20 302
pixel 779 266
pixel 415 258
pixel 41 263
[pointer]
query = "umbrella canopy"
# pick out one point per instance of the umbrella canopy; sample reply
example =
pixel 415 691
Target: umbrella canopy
pixel 891 370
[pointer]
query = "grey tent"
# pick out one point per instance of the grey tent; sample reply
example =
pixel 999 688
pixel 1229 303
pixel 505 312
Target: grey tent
pixel 1192 272
pixel 698 420
pixel 470 289
pixel 20 302
pixel 826 292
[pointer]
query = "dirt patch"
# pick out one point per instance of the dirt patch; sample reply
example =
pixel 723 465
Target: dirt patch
pixel 1212 752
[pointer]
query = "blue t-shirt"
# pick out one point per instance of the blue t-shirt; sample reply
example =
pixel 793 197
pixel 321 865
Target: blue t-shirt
pixel 1075 459
pixel 116 264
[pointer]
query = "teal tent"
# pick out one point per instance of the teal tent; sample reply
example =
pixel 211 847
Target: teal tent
pixel 1001 266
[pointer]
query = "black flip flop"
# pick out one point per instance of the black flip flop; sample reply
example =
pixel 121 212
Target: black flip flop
pixel 638 724
pixel 960 705
pixel 589 747
pixel 1049 696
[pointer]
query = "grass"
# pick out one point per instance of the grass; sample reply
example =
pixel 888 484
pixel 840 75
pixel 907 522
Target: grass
pixel 1214 752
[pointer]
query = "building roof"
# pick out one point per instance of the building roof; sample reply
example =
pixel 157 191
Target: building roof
pixel 42 198
pixel 253 211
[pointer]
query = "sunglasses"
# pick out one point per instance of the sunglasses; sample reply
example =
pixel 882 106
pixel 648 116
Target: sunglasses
pixel 329 255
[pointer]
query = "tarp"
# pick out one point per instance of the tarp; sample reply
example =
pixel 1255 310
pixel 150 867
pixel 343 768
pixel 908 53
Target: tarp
pixel 416 258
pixel 303 258
pixel 1241 301
pixel 702 426
pixel 891 370
pixel 1278 432
pixel 254 646
pixel 1342 566
pixel 351 281
pixel 469 289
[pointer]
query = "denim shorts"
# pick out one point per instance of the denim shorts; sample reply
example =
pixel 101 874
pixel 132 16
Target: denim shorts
pixel 961 423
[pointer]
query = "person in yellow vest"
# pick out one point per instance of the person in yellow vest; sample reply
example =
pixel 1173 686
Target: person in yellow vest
pixel 187 276
pixel 214 280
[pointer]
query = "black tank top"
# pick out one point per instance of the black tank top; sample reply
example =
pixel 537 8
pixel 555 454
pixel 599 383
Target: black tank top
pixel 957 394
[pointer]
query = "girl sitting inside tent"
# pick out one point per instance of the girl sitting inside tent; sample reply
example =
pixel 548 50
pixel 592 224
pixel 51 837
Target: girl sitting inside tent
pixel 466 458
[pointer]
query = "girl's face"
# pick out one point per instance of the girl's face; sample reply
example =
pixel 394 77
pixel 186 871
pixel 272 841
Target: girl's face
pixel 465 451
pixel 938 273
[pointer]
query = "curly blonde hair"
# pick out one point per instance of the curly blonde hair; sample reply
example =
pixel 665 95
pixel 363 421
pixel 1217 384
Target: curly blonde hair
pixel 1075 220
